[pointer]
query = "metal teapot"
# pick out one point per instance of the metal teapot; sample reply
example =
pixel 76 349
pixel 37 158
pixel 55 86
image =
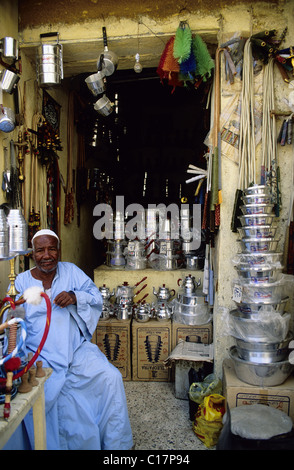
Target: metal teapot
pixel 162 311
pixel 143 312
pixel 107 310
pixel 188 294
pixel 164 293
pixel 189 285
pixel 123 312
pixel 105 292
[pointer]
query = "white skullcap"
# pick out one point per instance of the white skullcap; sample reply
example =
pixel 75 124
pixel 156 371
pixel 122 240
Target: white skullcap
pixel 45 231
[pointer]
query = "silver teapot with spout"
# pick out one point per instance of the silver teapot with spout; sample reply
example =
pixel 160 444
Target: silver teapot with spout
pixel 163 294
pixel 123 311
pixel 163 311
pixel 105 292
pixel 107 308
pixel 143 312
pixel 189 285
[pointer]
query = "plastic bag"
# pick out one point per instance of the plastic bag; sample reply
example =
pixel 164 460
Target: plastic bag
pixel 199 390
pixel 208 420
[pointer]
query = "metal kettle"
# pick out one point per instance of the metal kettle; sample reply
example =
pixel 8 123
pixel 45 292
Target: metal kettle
pixel 163 293
pixel 142 312
pixel 105 292
pixel 162 311
pixel 189 285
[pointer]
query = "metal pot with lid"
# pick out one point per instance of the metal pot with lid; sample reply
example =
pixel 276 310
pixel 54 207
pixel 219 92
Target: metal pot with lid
pixel 125 293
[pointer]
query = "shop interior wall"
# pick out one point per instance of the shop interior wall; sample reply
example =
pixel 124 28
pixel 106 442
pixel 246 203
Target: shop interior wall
pixel 8 27
pixel 73 236
pixel 231 17
pixel 252 20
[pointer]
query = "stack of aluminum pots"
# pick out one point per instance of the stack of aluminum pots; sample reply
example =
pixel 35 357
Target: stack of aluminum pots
pixel 49 62
pixel 135 255
pixel 259 324
pixel 190 306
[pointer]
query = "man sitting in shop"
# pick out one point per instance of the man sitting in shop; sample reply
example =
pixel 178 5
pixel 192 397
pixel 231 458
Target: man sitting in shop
pixel 85 399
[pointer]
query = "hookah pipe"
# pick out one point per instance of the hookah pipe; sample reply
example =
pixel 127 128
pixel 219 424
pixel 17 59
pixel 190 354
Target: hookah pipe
pixel 11 362
pixel 32 295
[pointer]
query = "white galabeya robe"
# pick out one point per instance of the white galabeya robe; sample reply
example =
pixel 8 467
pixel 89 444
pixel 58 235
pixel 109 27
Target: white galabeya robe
pixel 85 399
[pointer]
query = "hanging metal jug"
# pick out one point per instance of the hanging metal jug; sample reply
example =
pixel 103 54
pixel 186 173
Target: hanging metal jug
pixel 18 231
pixel 49 62
pixel 4 235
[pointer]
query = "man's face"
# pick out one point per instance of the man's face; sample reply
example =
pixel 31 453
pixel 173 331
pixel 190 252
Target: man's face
pixel 46 253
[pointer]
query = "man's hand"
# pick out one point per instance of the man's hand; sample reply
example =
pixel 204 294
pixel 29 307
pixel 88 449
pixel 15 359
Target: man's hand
pixel 64 299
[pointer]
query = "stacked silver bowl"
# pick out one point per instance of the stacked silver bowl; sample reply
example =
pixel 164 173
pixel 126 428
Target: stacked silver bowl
pixel 259 323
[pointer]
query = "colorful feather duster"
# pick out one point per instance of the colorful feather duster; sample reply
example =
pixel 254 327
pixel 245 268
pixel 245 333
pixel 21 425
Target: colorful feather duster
pixel 204 62
pixel 183 41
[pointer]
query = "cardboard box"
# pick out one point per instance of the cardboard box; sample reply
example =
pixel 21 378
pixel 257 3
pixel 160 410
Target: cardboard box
pixel 192 334
pixel 113 337
pixel 151 346
pixel 238 393
pixel 187 355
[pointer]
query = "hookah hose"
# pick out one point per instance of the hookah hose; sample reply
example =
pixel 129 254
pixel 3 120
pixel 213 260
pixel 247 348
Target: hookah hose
pixel 44 337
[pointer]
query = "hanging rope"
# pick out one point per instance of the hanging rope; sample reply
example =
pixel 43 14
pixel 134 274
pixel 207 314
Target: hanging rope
pixel 269 138
pixel 69 197
pixel 247 132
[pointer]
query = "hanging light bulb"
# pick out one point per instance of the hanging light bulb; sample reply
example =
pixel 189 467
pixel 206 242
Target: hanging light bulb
pixel 138 67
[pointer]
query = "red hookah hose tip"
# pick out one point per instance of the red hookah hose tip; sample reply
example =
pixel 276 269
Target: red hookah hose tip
pixel 6 410
pixel 12 364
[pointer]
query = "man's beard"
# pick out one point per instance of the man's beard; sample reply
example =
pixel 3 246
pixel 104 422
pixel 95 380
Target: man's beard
pixel 49 270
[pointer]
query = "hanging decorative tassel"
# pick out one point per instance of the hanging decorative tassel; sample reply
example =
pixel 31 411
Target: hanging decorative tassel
pixel 183 41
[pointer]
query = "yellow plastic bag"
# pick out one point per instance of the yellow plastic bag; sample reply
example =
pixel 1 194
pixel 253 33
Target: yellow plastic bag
pixel 208 419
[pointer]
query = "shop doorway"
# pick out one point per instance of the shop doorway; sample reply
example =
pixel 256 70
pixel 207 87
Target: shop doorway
pixel 143 149
pixel 153 134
